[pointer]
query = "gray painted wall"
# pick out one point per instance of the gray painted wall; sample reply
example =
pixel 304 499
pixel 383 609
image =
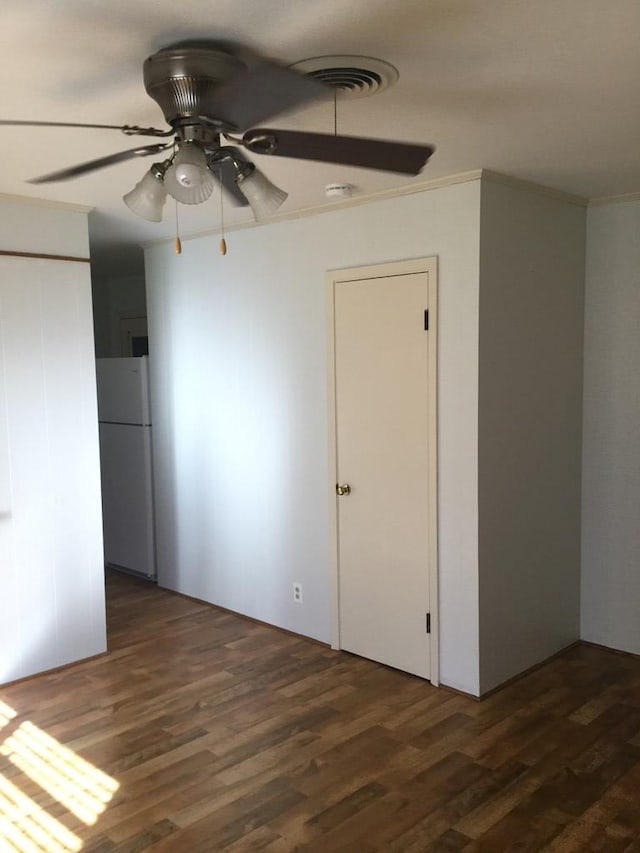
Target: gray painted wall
pixel 611 458
pixel 529 429
pixel 239 388
pixel 238 358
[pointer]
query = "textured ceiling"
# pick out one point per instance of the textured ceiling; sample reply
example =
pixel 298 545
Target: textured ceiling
pixel 545 91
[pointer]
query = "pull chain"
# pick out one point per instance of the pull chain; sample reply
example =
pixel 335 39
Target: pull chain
pixel 178 244
pixel 222 246
pixel 335 111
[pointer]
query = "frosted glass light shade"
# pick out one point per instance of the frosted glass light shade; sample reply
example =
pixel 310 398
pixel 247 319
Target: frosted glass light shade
pixel 147 198
pixel 188 179
pixel 263 196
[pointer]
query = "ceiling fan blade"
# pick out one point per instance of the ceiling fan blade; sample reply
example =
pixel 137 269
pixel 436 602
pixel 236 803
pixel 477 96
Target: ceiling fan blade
pixel 264 90
pixel 403 157
pixel 100 163
pixel 225 173
pixel 129 130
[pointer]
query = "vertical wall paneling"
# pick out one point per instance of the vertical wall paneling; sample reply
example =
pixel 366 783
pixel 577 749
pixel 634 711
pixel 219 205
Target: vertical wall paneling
pixel 51 583
pixel 611 455
pixel 238 362
pixel 529 428
pixel 239 387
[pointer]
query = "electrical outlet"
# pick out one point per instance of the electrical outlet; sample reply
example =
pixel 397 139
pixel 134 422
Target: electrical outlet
pixel 297 593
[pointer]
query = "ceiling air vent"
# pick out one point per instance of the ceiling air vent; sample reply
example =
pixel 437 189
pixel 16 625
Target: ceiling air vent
pixel 351 76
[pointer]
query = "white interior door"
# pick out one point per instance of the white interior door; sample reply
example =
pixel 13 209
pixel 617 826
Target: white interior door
pixel 384 412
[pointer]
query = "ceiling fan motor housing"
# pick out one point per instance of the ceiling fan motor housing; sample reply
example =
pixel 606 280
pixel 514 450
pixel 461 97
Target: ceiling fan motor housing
pixel 183 78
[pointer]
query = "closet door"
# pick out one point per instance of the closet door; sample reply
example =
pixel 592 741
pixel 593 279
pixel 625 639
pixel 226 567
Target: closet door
pixel 384 411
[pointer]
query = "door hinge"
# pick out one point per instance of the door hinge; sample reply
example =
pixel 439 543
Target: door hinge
pixel 428 623
pixel 426 320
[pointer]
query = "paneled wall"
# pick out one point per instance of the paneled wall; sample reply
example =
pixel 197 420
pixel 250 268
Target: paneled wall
pixel 238 354
pixel 51 562
pixel 239 387
pixel 532 249
pixel 611 458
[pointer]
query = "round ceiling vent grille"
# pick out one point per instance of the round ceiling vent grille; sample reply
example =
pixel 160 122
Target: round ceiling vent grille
pixel 351 76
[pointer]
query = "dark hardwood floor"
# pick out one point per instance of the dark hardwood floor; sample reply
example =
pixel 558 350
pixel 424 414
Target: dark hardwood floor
pixel 202 731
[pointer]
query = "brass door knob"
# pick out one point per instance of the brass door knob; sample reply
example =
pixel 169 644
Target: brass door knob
pixel 343 489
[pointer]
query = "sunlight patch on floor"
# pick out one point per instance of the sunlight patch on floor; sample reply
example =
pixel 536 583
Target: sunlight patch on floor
pixel 80 787
pixel 6 714
pixel 26 827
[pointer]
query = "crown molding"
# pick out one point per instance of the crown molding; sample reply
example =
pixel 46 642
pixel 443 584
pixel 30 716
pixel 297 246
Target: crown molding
pixel 397 192
pixel 313 210
pixel 44 202
pixel 531 186
pixel 614 199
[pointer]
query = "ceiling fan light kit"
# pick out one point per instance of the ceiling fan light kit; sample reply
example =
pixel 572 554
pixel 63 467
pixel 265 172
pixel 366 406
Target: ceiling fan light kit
pixel 208 91
pixel 149 195
pixel 263 196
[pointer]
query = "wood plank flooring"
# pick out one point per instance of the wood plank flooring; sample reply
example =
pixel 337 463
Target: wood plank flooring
pixel 222 734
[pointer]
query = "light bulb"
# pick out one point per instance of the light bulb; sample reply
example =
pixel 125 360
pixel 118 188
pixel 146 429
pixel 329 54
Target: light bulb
pixel 188 175
pixel 188 179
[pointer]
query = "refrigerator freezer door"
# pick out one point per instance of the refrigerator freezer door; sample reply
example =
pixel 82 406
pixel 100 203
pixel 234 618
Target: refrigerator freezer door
pixel 123 390
pixel 127 500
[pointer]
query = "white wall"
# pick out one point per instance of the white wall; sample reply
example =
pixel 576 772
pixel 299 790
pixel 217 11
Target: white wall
pixel 51 564
pixel 238 358
pixel 46 227
pixel 531 339
pixel 611 457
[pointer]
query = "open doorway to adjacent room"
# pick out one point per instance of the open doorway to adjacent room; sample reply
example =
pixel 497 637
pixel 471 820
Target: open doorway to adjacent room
pixel 124 414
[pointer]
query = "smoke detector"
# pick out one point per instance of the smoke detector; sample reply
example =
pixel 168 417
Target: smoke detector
pixel 350 76
pixel 339 190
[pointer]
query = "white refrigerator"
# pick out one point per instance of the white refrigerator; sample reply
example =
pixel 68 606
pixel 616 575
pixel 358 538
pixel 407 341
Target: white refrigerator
pixel 126 464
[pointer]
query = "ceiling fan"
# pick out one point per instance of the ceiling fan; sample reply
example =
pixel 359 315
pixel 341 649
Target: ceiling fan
pixel 209 92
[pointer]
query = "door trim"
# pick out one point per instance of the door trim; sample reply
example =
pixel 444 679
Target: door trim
pixel 384 270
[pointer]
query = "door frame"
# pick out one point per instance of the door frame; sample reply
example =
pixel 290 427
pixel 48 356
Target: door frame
pixel 427 265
